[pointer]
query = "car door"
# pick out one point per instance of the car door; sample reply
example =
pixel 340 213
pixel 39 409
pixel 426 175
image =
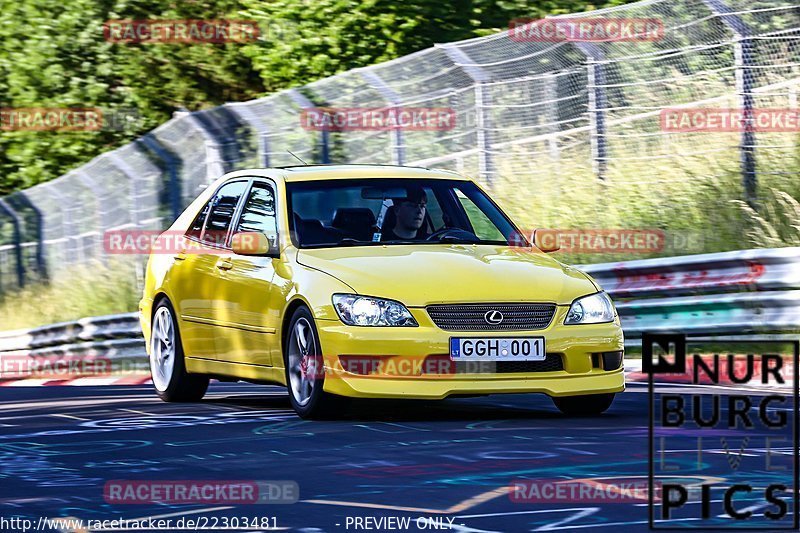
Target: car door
pixel 195 275
pixel 244 301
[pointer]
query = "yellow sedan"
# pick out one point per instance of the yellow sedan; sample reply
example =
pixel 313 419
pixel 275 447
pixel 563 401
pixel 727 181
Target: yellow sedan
pixel 371 282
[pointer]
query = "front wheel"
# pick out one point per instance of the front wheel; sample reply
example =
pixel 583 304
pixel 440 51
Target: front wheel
pixel 586 405
pixel 305 372
pixel 167 367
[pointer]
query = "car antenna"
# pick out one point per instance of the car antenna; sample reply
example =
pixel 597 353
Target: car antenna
pixel 292 154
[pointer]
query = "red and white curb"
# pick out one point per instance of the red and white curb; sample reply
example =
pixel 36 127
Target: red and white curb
pixel 83 381
pixel 633 373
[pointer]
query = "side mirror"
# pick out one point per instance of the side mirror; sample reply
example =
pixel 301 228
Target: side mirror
pixel 546 240
pixel 252 243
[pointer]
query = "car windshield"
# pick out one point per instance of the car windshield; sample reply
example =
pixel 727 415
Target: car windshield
pixel 360 212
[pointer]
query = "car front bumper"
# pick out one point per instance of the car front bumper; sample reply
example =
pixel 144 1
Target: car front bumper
pixel 575 345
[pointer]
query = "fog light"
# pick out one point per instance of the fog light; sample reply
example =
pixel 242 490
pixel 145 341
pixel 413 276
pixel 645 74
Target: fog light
pixel 612 360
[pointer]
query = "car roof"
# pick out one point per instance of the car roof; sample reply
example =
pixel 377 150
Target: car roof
pixel 297 173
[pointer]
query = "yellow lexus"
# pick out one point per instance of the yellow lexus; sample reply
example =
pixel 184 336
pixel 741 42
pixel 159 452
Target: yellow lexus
pixel 371 282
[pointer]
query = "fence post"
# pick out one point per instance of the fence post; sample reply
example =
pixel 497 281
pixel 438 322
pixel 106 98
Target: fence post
pixel 215 162
pixel 20 200
pixel 744 53
pixel 17 241
pixel 325 141
pixel 40 260
pixel 483 106
pixel 99 218
pixel 69 233
pixel 259 126
pixel 174 182
pixel 596 81
pixel 126 169
pixel 551 114
pixel 391 96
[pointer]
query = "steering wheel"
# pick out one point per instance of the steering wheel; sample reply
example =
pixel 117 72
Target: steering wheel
pixel 454 233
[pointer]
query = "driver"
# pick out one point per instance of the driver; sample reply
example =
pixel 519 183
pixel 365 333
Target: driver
pixel 410 216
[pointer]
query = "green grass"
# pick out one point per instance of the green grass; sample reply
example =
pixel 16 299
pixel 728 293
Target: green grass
pixel 686 195
pixel 692 199
pixel 92 289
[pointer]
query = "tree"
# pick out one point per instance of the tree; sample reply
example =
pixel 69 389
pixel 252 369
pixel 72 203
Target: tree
pixel 54 54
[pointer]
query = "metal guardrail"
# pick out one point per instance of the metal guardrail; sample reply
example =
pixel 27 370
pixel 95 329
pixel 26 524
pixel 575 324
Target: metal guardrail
pixel 746 270
pixel 522 107
pixel 112 336
pixel 730 295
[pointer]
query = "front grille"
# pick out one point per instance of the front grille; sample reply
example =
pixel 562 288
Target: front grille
pixel 472 317
pixel 552 363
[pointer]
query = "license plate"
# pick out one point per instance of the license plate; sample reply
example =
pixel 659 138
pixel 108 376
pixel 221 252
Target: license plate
pixel 497 349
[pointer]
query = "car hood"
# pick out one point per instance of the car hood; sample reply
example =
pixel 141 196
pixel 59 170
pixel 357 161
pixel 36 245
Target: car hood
pixel 419 275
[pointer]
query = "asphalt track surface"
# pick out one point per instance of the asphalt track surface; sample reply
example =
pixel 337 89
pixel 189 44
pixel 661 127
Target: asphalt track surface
pixel 449 461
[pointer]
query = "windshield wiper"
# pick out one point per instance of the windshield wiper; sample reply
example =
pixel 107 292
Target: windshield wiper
pixel 457 240
pixel 349 241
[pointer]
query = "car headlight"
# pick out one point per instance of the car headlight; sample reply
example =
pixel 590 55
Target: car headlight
pixel 356 310
pixel 593 309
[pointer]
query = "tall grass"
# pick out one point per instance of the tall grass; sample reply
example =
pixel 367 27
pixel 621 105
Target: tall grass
pixel 91 289
pixel 776 223
pixel 694 198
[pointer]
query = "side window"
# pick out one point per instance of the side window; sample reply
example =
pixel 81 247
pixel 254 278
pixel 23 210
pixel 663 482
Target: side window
pixel 197 226
pixel 222 208
pixel 481 224
pixel 258 214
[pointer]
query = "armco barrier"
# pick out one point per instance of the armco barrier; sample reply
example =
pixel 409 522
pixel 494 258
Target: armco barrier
pixel 730 294
pixel 112 336
pixel 725 294
pixel 746 270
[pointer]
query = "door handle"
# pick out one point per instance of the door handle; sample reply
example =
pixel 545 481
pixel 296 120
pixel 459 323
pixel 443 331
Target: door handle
pixel 224 264
pixel 180 256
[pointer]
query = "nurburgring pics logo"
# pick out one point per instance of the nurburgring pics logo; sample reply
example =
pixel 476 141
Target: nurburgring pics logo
pixel 184 31
pixel 555 30
pixel 740 434
pixel 378 118
pixel 704 119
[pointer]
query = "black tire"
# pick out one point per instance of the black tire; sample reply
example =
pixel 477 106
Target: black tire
pixel 586 405
pixel 318 404
pixel 181 386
